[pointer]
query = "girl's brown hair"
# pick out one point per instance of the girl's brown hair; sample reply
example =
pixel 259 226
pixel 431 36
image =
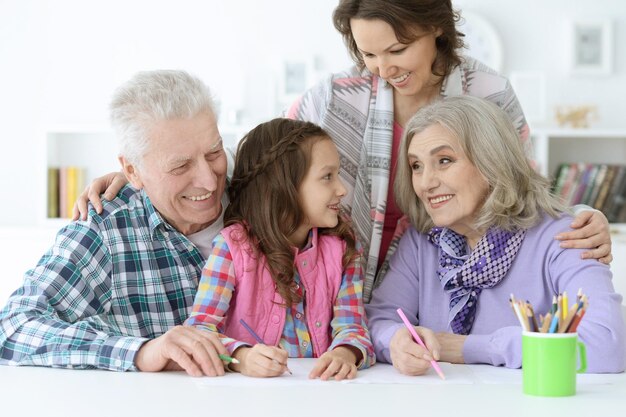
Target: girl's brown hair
pixel 271 163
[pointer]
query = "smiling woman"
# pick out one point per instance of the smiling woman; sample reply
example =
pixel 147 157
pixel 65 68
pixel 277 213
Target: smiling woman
pixel 448 185
pixel 407 54
pixel 482 226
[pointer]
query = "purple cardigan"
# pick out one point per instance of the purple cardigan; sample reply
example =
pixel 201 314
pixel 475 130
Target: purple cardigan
pixel 540 270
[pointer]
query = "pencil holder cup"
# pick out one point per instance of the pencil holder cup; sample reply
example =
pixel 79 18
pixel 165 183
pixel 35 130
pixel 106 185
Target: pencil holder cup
pixel 549 363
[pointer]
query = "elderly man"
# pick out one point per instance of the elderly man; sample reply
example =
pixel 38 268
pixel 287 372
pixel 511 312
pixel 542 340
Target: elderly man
pixel 113 291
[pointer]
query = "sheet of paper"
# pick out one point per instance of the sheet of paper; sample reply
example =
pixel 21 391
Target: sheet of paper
pixel 378 374
pixel 382 373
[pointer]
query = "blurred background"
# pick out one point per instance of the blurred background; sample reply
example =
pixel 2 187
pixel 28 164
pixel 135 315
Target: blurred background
pixel 61 60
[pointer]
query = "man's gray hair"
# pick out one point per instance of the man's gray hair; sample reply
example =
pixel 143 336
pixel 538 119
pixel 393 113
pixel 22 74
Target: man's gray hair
pixel 518 196
pixel 153 96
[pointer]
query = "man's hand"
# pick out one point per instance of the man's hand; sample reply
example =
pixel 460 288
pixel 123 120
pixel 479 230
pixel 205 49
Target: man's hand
pixel 183 348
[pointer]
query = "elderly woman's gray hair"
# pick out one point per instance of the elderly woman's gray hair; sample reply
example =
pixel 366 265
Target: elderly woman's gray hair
pixel 518 196
pixel 153 96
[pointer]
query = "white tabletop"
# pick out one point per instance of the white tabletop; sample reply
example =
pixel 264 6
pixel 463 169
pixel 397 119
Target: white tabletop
pixel 468 390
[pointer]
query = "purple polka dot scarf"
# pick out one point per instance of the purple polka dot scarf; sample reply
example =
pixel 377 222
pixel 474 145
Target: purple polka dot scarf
pixel 464 275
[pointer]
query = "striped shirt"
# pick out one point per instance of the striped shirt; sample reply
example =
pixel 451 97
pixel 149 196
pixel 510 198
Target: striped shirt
pixel 356 109
pixel 106 286
pixel 215 294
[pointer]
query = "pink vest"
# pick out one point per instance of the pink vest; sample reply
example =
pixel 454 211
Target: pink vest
pixel 256 301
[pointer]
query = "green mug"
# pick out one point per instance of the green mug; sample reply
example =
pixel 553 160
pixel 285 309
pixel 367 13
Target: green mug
pixel 549 363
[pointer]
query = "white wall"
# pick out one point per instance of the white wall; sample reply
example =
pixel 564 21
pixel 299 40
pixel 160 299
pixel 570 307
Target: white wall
pixel 535 35
pixel 60 61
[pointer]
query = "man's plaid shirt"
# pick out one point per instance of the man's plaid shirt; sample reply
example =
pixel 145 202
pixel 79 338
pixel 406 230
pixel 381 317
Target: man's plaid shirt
pixel 105 287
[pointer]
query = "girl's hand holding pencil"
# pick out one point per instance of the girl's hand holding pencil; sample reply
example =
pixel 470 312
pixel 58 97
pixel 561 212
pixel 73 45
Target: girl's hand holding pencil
pixel 260 361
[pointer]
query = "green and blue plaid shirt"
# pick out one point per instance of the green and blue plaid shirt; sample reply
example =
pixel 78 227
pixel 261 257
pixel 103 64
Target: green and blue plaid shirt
pixel 105 287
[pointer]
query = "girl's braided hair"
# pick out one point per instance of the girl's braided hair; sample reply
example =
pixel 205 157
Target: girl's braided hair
pixel 271 163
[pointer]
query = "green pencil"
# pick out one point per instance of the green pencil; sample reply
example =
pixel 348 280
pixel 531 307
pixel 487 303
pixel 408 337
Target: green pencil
pixel 228 359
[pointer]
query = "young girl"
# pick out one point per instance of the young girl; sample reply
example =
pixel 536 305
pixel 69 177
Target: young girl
pixel 286 264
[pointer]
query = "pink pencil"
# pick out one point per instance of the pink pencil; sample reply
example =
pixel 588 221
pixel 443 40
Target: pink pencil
pixel 418 339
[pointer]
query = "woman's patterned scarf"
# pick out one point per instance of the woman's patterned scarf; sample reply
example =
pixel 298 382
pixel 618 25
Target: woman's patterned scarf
pixel 464 275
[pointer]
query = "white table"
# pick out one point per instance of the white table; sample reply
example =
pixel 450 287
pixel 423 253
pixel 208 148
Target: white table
pixel 31 391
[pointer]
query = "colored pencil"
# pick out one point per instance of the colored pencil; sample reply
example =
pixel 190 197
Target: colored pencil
pixel 531 314
pixel 524 315
pixel 546 323
pixel 418 339
pixel 554 305
pixel 252 332
pixel 518 313
pixel 561 318
pixel 568 320
pixel 228 359
pixel 574 326
pixel 555 322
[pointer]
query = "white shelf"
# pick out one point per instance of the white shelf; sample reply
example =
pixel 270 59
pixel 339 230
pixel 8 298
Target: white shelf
pixel 553 146
pixel 91 147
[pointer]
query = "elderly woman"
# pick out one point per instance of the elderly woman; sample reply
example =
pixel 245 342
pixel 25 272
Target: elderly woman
pixel 483 226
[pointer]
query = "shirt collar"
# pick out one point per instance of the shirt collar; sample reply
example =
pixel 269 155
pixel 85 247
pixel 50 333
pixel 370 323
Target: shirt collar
pixel 311 241
pixel 155 220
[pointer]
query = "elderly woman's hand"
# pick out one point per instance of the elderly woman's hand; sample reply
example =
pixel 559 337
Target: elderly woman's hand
pixel 410 358
pixel 592 232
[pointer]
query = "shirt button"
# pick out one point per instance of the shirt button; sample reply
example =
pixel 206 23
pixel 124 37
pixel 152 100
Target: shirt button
pixel 298 315
pixel 318 324
pixel 118 363
pixel 304 263
pixel 275 319
pixel 297 287
pixel 190 248
pixel 304 344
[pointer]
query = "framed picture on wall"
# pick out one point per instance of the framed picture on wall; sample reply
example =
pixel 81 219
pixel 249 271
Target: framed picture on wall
pixel 591 48
pixel 293 76
pixel 293 79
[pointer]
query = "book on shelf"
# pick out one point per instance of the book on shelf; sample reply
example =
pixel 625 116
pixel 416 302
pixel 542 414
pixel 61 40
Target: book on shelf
pixel 599 202
pixel 588 190
pixel 615 194
pixel 53 192
pixel 601 186
pixel 64 186
pixel 568 183
pixel 617 209
pixel 599 180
